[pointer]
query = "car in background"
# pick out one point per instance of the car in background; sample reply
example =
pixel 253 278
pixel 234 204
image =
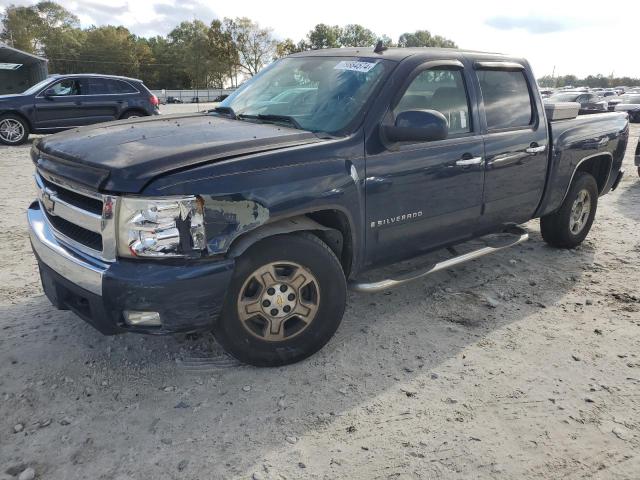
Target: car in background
pixel 629 103
pixel 589 102
pixel 172 100
pixel 607 93
pixel 62 102
pixel 220 98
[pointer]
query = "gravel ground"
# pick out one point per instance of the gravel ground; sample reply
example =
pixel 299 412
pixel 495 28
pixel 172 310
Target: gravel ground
pixel 525 364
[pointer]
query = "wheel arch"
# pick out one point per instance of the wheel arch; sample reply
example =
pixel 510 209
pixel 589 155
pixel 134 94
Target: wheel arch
pixel 17 113
pixel 598 165
pixel 330 226
pixel 133 110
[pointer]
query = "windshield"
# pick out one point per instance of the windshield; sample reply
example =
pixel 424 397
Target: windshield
pixel 320 94
pixel 632 99
pixel 565 97
pixel 37 87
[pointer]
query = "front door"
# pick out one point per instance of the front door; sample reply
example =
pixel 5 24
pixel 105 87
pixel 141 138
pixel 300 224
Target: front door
pixel 425 194
pixel 63 107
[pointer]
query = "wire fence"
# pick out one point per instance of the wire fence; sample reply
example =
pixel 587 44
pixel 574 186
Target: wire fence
pixel 192 96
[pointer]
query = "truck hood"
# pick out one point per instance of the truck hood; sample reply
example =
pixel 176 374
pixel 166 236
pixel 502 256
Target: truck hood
pixel 124 156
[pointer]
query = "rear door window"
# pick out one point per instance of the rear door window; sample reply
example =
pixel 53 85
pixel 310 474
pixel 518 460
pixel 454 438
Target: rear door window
pixel 106 86
pixel 443 90
pixel 507 99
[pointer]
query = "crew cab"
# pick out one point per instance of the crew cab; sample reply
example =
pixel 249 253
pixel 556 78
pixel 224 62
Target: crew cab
pixel 252 220
pixel 61 102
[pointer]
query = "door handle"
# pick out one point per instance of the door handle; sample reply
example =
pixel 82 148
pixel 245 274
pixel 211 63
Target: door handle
pixel 465 162
pixel 535 148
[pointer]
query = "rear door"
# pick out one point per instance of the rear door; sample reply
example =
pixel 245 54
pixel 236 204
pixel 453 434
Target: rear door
pixel 106 99
pixel 516 142
pixel 420 195
pixel 63 109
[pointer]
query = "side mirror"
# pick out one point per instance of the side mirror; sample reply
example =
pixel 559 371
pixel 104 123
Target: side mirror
pixel 417 126
pixel 49 92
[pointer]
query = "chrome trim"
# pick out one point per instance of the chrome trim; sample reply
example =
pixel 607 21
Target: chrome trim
pixel 518 232
pixel 575 169
pixel 64 183
pixel 85 77
pixel 61 259
pixel 54 205
pixel 469 161
pixel 539 149
pixel 104 224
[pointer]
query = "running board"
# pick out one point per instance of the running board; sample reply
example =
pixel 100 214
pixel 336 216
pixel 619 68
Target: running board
pixel 514 233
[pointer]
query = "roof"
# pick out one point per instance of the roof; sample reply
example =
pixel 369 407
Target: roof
pixel 399 54
pixel 13 55
pixel 101 75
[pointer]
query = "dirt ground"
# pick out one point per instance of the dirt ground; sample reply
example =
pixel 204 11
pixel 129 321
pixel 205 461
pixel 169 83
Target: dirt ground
pixel 525 364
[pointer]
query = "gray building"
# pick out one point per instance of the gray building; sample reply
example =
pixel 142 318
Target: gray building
pixel 19 70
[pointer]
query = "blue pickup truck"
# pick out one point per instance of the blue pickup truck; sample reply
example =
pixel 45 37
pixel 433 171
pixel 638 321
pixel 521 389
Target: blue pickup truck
pixel 253 219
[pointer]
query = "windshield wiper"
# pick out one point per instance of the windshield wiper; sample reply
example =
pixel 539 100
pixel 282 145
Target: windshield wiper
pixel 225 111
pixel 268 117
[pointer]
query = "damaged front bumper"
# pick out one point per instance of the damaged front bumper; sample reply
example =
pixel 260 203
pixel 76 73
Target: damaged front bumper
pixel 188 295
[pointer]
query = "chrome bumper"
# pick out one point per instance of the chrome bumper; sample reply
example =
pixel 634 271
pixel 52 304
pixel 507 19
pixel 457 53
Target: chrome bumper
pixel 78 269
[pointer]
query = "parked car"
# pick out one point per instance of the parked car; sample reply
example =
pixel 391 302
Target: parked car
pixel 251 224
pixel 171 99
pixel 220 98
pixel 629 103
pixel 589 102
pixel 62 102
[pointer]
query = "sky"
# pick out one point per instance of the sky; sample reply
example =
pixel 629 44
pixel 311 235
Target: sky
pixel 570 37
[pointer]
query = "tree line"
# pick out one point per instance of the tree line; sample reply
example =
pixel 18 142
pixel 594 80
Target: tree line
pixel 193 55
pixel 594 81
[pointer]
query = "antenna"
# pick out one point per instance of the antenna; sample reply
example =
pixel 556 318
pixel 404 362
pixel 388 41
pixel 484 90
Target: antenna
pixel 379 47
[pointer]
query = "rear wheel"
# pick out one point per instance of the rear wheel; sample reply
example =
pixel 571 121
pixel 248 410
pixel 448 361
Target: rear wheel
pixel 569 226
pixel 285 301
pixel 132 114
pixel 14 130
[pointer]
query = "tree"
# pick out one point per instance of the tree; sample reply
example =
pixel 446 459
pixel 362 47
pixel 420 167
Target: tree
pixel 222 53
pixel 354 35
pixel 287 47
pixel 324 36
pixel 256 45
pixel 423 38
pixel 21 28
pixel 110 50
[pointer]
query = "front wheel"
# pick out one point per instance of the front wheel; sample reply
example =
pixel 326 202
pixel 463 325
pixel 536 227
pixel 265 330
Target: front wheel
pixel 285 301
pixel 13 130
pixel 569 226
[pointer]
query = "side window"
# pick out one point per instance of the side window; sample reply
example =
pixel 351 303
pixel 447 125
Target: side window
pixel 118 86
pixel 507 101
pixel 98 86
pixel 443 90
pixel 66 87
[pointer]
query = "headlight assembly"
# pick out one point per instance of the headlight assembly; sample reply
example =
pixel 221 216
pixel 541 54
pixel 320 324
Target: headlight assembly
pixel 161 227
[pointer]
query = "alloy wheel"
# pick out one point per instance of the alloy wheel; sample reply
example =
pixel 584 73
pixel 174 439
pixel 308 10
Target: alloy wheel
pixel 11 130
pixel 278 301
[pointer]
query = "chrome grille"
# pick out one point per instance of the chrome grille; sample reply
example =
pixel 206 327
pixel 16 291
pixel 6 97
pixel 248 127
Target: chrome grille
pixel 80 218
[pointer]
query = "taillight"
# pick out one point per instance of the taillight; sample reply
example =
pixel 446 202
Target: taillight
pixel 154 101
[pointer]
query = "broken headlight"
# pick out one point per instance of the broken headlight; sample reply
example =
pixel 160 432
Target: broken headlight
pixel 161 227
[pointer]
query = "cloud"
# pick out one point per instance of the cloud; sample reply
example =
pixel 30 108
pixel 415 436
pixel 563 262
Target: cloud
pixel 532 24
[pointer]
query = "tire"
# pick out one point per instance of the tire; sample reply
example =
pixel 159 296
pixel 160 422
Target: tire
pixel 569 226
pixel 268 336
pixel 132 114
pixel 14 130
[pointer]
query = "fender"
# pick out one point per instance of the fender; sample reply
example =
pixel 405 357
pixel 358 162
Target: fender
pixel 289 225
